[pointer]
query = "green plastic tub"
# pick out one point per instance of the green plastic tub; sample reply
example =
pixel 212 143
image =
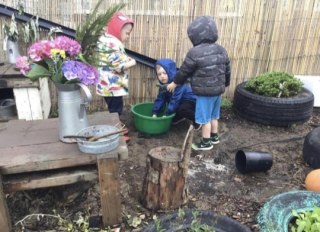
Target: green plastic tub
pixel 145 123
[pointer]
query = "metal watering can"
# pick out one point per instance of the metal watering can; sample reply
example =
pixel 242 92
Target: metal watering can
pixel 72 109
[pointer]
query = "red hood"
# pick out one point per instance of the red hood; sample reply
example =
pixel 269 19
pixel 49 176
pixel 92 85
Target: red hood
pixel 116 23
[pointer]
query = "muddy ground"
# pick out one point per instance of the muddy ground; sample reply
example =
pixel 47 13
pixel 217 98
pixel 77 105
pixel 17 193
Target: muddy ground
pixel 214 182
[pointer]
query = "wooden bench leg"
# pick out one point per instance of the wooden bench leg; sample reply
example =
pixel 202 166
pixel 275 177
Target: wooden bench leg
pixel 5 223
pixel 109 190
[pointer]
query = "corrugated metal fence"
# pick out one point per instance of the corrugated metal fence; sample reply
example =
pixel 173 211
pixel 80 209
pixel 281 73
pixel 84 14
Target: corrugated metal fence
pixel 259 35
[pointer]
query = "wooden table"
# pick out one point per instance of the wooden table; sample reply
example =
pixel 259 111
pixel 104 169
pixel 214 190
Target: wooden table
pixel 31 157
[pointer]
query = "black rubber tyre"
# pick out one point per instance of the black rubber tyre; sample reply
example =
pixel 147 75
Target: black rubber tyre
pixel 173 223
pixel 271 110
pixel 311 148
pixel 276 214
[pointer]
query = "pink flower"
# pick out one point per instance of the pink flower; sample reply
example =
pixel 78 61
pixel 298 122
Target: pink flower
pixel 40 50
pixel 23 64
pixel 70 46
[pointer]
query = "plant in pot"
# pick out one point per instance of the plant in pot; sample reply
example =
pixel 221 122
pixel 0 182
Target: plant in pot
pixel 273 98
pixel 305 221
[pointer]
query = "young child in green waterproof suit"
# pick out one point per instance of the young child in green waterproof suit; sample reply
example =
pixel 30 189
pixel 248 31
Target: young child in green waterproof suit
pixel 208 66
pixel 181 101
pixel 114 61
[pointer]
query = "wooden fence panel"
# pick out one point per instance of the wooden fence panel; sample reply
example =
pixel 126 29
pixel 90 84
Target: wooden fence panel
pixel 259 35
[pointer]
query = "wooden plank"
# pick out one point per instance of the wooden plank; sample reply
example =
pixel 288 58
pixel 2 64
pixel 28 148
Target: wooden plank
pixel 5 223
pixel 22 103
pixel 56 179
pixel 13 78
pixel 28 103
pixel 17 83
pixel 45 97
pixel 109 190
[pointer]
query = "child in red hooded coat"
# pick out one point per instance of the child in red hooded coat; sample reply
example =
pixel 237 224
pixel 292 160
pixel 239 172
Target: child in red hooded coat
pixel 114 62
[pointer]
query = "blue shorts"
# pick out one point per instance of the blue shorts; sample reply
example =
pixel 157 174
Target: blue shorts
pixel 207 108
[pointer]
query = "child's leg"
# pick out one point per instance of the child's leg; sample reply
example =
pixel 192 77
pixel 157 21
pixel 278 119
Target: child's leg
pixel 214 122
pixel 214 126
pixel 203 116
pixel 206 129
pixel 115 104
pixel 186 110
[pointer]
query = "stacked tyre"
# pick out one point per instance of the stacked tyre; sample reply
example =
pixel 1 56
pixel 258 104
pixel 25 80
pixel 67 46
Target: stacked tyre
pixel 271 110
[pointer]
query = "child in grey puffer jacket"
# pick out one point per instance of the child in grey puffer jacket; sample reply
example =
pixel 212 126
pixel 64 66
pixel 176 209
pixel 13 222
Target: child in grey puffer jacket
pixel 208 66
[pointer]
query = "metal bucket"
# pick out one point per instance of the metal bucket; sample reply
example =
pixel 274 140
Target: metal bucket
pixel 7 109
pixel 102 145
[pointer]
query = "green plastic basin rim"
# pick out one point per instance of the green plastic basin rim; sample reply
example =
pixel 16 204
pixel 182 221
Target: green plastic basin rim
pixel 147 117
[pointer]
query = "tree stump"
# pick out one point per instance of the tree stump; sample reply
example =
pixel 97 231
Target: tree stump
pixel 164 185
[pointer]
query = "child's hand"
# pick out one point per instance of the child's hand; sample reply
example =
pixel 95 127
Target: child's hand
pixel 131 62
pixel 171 87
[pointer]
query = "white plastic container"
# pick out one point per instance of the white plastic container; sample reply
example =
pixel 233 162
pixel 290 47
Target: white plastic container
pixel 312 83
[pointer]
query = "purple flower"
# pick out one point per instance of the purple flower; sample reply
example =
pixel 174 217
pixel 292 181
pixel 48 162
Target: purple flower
pixel 85 73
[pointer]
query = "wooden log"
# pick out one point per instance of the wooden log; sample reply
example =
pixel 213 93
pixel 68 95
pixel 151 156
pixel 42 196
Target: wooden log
pixel 164 185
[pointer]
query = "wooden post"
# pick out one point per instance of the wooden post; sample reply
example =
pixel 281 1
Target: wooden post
pixel 109 189
pixel 5 223
pixel 164 185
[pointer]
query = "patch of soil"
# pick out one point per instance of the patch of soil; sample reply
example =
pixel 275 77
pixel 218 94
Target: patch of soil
pixel 214 182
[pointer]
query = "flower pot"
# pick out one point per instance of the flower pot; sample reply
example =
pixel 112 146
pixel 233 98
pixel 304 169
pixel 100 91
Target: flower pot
pixel 247 161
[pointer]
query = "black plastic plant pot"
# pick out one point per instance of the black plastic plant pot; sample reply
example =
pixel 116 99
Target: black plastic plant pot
pixel 247 161
pixel 311 148
pixel 195 220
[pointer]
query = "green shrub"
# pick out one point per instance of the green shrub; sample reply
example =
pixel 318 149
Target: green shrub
pixel 274 84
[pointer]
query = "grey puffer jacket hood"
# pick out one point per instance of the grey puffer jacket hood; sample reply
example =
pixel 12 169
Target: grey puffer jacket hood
pixel 207 63
pixel 202 30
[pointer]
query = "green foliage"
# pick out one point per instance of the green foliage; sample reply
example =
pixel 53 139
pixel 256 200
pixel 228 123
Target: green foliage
pixel 197 226
pixel 28 31
pixel 81 224
pixel 11 30
pixel 226 103
pixel 88 33
pixel 306 221
pixel 179 223
pixel 274 84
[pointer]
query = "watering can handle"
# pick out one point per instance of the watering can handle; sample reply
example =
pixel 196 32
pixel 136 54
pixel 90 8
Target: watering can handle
pixel 87 92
